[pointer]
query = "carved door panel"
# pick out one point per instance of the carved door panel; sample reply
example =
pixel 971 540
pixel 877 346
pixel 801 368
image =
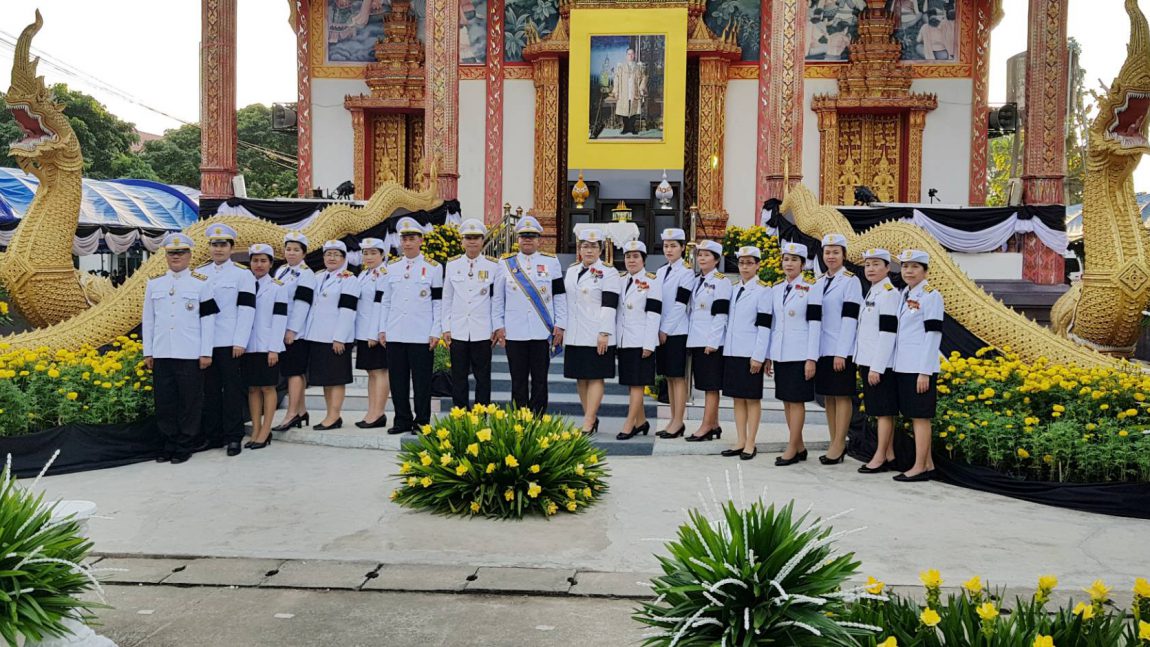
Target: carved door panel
pixel 870 153
pixel 396 149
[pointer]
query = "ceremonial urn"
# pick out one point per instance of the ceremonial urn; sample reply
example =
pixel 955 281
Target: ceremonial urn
pixel 579 192
pixel 664 193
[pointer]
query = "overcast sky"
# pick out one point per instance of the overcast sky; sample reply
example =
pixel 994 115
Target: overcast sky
pixel 149 50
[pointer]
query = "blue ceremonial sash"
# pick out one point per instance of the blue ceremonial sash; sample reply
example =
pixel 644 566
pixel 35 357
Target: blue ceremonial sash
pixel 536 299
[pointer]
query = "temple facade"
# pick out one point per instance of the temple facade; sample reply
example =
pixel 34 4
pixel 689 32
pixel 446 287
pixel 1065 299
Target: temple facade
pixel 517 101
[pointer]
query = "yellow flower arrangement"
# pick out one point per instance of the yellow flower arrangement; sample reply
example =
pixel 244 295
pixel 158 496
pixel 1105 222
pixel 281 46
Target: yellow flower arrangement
pixel 1043 641
pixel 973 586
pixel 1099 592
pixel 987 611
pixel 930 617
pixel 1084 610
pixel 873 586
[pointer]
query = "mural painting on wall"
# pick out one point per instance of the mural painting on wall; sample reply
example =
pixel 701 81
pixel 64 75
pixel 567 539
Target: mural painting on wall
pixel 927 29
pixel 626 77
pixel 473 31
pixel 353 27
pixel 544 14
pixel 742 15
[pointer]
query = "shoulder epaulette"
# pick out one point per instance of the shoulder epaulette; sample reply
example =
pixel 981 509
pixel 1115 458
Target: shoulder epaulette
pixel 454 257
pixel 928 288
pixel 547 254
pixel 197 275
pixel 277 281
pixel 432 262
pixel 507 255
pixel 720 275
pixel 887 286
pixel 394 261
pixel 764 283
pixel 240 265
pixel 623 273
pixel 574 264
pixel 491 258
pixel 848 273
pixel 779 282
pixel 809 281
pixel 651 275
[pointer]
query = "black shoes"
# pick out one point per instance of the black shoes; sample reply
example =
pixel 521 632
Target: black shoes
pixel 783 462
pixel 395 431
pixel 641 429
pixel 713 434
pixel 180 458
pixel 335 425
pixel 744 456
pixel 254 445
pixel 827 460
pixel 917 478
pixel 296 421
pixel 381 421
pixel 164 458
pixel 874 470
pixel 234 448
pixel 731 452
pixel 593 430
pixel 667 434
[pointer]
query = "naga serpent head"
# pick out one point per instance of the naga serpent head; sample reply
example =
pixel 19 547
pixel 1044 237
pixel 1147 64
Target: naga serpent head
pixel 1121 125
pixel 45 129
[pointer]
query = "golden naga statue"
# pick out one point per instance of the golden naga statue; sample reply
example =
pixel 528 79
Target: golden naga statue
pixel 37 269
pixel 1104 310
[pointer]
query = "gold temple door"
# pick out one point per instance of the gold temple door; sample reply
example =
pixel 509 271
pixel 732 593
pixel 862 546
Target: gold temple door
pixel 870 153
pixel 396 151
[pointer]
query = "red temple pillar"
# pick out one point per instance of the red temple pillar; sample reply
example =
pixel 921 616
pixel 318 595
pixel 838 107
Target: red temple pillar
pixel 218 98
pixel 493 156
pixel 441 124
pixel 302 16
pixel 781 61
pixel 1044 157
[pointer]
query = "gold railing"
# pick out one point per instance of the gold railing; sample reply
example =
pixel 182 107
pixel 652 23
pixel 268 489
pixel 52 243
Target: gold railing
pixel 501 237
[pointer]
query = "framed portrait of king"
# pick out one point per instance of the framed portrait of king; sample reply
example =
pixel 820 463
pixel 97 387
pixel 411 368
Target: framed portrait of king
pixel 626 87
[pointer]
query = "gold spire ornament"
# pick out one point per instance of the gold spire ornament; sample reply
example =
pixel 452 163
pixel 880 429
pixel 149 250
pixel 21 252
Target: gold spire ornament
pixel 580 192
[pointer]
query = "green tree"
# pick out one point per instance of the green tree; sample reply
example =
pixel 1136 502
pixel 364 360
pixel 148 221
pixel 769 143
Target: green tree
pixel 105 139
pixel 998 170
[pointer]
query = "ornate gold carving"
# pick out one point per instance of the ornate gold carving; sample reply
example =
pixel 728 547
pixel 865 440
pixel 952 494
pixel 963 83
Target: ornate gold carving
pixel 546 194
pixel 743 72
pixel 1105 309
pixel 472 72
pixel 415 142
pixel 519 72
pixel 984 19
pixel 389 150
pixel 712 117
pixel 397 72
pixel 359 140
pixel 441 131
pixel 580 192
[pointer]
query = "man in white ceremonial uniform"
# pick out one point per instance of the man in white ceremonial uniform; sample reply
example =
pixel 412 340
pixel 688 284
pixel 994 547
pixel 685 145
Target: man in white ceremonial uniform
pixel 530 310
pixel 234 290
pixel 467 316
pixel 410 326
pixel 179 323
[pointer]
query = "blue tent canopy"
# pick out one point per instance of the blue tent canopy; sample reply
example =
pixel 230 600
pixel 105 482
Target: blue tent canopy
pixel 108 204
pixel 1074 215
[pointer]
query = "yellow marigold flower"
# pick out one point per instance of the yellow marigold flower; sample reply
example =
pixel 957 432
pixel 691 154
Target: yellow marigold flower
pixel 426 460
pixel 1090 426
pixel 457 413
pixel 579 469
pixel 986 611
pixel 442 433
pixel 394 495
pixel 461 469
pixel 551 508
pixel 1124 433
pixel 1059 408
pixel 425 481
pixel 566 435
pixel 53 373
pixel 425 429
pixel 509 494
pixel 474 419
pixel 490 468
pixel 1084 610
pixel 1098 591
pixel 1103 406
pixel 1043 641
pixel 889 642
pixel 931 578
pixel 1131 413
pixel 446 444
pixel 973 585
pixel 930 618
pixel 72 395
pixel 474 507
pixel 412 481
pixel 483 435
pixel 473 449
pixel 873 586
pixel 587 493
pixel 511 461
pixel 572 506
pixel 500 414
pixel 405 468
pixel 1144 630
pixel 593 459
pixel 1022 453
pixel 518 428
pixel 1142 588
pixel 533 489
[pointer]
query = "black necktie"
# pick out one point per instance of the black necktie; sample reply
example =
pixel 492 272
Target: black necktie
pixel 628 286
pixel 827 285
pixel 257 287
pixel 700 285
pixel 787 291
pixel 739 294
pixel 581 273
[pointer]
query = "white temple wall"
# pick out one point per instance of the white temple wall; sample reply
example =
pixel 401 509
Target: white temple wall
pixel 472 141
pixel 332 137
pixel 946 141
pixel 519 142
pixel 739 152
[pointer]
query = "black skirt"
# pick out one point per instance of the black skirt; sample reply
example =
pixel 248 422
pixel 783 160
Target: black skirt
pixel 634 369
pixel 293 361
pixel 671 357
pixel 325 368
pixel 881 400
pixel 911 403
pixel 585 363
pixel 254 370
pixel 828 381
pixel 739 381
pixel 370 358
pixel 790 383
pixel 707 370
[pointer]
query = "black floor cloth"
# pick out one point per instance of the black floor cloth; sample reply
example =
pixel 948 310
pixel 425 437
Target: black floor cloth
pixel 82 447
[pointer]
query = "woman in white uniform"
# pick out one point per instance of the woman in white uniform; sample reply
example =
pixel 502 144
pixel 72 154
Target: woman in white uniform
pixel 841 295
pixel 637 334
pixel 710 305
pixel 916 360
pixel 259 363
pixel 592 293
pixel 745 352
pixel 299 280
pixel 370 355
pixel 331 331
pixel 874 353
pixel 795 328
pixel 677 280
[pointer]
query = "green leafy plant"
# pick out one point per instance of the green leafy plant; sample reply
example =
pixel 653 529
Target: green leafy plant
pixel 441 360
pixel 41 576
pixel 500 463
pixel 753 576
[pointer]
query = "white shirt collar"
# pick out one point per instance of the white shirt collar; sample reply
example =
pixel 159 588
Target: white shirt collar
pixel 179 275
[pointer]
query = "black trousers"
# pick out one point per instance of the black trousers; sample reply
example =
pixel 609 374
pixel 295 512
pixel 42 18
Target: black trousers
pixel 178 386
pixel 470 357
pixel 410 363
pixel 529 358
pixel 225 400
